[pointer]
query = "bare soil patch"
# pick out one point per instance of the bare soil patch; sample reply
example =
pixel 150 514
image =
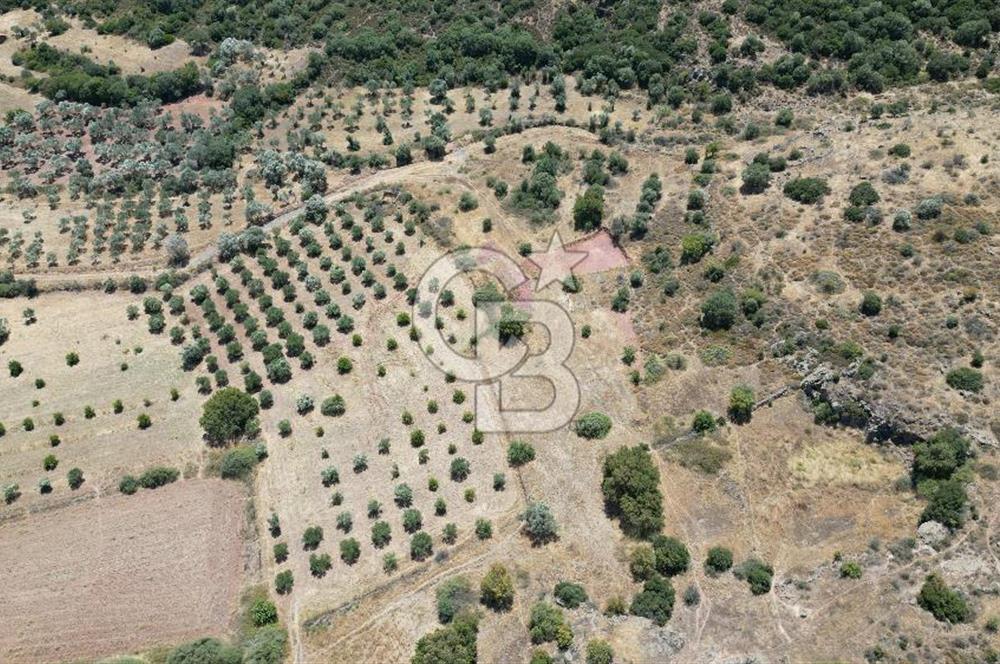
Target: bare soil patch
pixel 121 573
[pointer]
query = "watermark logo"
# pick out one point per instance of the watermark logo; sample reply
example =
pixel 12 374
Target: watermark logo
pixel 499 361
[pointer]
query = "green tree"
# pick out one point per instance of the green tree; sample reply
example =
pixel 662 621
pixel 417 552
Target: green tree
pixel 942 602
pixel 519 453
pixel 718 560
pixel 350 550
pixel 756 178
pixel 940 457
pixel 642 563
pixel 539 523
pixel 228 415
pixel 588 210
pixel 312 537
pixel 453 596
pixel 238 463
pixel 320 564
pixel 719 310
pixel 741 402
pixel 672 557
pixel 454 643
pixel 74 478
pixel 496 590
pixel 756 573
pixel 631 488
pixel 946 504
pixel 333 406
pixel 547 623
pixel 381 534
pixel 570 595
pixel 283 582
pixel 421 546
pixel 263 612
pixel 268 645
pixel 655 601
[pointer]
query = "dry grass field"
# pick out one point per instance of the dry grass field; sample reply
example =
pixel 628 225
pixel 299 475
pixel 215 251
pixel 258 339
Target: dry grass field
pixel 117 361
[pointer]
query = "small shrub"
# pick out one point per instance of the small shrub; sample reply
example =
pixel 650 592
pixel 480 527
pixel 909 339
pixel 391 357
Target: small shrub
pixel 655 601
pixel 350 550
pixel 806 190
pixel 312 537
pixel 569 595
pixel 965 379
pixel 850 570
pixel 484 529
pixel 942 602
pixel 421 546
pixel 756 573
pixel 671 556
pixel 871 304
pixel 283 582
pixel 539 523
pixel 593 425
pixel 128 485
pixel 718 560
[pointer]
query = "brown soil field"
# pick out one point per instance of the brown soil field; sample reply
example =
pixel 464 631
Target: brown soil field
pixel 120 573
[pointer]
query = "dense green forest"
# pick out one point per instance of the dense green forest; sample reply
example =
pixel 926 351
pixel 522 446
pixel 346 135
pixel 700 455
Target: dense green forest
pixel 828 46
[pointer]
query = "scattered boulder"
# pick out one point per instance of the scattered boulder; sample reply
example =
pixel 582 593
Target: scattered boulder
pixel 932 533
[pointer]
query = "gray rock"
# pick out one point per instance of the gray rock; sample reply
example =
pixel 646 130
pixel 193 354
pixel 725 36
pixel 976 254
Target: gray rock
pixel 931 533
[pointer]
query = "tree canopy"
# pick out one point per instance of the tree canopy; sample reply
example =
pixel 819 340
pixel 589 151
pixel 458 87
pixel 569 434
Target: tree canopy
pixel 228 415
pixel 631 488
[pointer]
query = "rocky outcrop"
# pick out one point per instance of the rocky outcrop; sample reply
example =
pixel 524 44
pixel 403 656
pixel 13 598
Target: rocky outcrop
pixel 848 402
pixel 932 533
